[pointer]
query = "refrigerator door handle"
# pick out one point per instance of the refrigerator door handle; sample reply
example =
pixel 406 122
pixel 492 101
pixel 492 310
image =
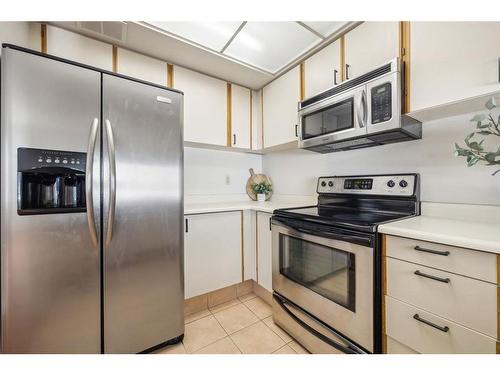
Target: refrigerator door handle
pixel 112 181
pixel 89 171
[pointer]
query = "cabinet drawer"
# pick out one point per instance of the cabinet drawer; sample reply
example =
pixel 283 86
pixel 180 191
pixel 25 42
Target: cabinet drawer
pixel 395 347
pixel 466 301
pixel 476 264
pixel 403 326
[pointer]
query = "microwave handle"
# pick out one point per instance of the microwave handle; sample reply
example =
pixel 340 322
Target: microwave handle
pixel 362 107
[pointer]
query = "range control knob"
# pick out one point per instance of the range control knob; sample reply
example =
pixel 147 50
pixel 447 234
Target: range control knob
pixel 403 183
pixel 330 183
pixel 323 183
pixel 390 183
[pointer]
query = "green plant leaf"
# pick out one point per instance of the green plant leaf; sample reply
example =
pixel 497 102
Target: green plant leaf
pixel 490 157
pixel 478 118
pixel 476 146
pixel 472 161
pixel 490 104
pixel 494 173
pixel 484 132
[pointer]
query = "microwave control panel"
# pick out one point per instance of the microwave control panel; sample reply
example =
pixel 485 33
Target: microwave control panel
pixel 381 104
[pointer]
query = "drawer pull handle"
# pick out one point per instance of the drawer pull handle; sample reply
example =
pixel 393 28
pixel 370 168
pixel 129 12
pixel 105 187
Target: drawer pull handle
pixel 418 273
pixel 437 252
pixel 443 329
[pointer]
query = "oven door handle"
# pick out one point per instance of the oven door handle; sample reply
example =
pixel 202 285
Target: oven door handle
pixel 348 349
pixel 364 240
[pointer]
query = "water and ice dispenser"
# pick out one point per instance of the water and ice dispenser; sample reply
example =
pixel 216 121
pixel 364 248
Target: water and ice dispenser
pixel 50 181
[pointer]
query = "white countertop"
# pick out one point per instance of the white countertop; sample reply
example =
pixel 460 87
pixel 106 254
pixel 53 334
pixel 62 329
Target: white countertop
pixel 268 206
pixel 477 235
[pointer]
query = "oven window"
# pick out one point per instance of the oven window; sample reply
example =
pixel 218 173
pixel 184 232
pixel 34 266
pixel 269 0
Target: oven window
pixel 331 119
pixel 327 271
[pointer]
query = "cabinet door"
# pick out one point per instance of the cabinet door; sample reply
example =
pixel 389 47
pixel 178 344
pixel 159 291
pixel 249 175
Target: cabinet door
pixel 452 61
pixel 79 48
pixel 280 108
pixel 370 45
pixel 240 116
pixel 142 67
pixel 212 252
pixel 205 107
pixel 264 251
pixel 321 69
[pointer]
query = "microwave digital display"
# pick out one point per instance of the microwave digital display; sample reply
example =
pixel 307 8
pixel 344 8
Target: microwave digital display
pixel 381 104
pixel 358 184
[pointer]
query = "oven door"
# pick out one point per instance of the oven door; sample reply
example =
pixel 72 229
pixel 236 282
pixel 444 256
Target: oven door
pixel 328 275
pixel 337 118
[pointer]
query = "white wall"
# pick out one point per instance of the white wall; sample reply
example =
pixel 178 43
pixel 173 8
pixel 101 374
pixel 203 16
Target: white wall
pixel 444 178
pixel 206 171
pixel 24 34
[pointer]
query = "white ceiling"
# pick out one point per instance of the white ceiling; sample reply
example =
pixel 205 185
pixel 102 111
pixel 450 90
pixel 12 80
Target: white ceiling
pixel 262 52
pixel 267 46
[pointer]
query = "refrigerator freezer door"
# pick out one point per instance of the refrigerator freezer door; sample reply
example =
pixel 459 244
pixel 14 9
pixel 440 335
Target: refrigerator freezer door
pixel 143 234
pixel 49 265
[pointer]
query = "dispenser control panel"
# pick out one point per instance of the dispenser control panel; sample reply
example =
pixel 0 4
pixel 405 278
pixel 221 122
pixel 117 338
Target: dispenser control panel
pixel 34 158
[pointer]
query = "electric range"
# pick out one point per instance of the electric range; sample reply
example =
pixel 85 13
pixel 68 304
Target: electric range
pixel 327 261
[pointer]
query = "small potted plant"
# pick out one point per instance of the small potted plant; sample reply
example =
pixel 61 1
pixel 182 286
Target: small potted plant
pixel 262 189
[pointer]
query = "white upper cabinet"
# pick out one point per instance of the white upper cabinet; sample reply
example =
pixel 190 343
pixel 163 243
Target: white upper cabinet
pixel 142 67
pixel 257 120
pixel 452 61
pixel 240 117
pixel 79 48
pixel 280 99
pixel 323 70
pixel 370 45
pixel 205 107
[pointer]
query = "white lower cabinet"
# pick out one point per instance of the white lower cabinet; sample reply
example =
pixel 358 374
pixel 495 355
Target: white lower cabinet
pixel 212 252
pixel 264 251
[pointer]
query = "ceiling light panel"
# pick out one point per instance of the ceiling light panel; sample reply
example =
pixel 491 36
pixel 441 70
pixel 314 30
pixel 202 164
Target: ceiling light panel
pixel 213 35
pixel 325 28
pixel 271 45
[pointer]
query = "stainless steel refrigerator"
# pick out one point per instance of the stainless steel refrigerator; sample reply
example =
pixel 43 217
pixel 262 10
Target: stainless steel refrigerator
pixel 91 209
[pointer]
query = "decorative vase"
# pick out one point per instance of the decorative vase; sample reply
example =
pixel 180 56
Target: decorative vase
pixel 261 197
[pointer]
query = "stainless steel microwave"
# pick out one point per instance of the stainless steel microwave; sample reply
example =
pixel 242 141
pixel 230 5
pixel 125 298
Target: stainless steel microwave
pixel 360 112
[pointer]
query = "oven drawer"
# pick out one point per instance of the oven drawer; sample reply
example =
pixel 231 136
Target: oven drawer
pixel 476 264
pixel 466 301
pixel 425 332
pixel 315 336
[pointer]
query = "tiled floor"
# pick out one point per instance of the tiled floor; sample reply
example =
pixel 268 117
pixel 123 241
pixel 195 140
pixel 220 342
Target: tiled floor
pixel 243 325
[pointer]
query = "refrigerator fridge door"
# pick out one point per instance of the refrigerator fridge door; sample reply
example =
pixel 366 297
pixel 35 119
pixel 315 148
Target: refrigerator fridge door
pixel 50 266
pixel 142 215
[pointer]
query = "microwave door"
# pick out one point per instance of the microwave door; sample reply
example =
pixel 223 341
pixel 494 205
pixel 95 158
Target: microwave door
pixel 334 119
pixel 383 103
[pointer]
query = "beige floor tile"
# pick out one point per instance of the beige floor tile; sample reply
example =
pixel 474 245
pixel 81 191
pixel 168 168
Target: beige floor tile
pixel 201 333
pixel 257 339
pixel 259 307
pixel 285 350
pixel 196 316
pixel 247 297
pixel 172 349
pixel 235 318
pixel 282 334
pixel 224 305
pixel 223 346
pixel 299 349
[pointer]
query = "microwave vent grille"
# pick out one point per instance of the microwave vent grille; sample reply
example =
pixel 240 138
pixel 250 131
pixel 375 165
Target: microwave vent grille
pixel 347 85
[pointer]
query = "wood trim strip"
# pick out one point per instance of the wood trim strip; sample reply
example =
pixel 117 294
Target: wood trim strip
pixel 170 75
pixel 229 114
pixel 302 93
pixel 342 58
pixel 404 56
pixel 498 304
pixel 43 38
pixel 251 119
pixel 242 248
pixel 257 247
pixel 115 59
pixel 384 292
pixel 262 117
